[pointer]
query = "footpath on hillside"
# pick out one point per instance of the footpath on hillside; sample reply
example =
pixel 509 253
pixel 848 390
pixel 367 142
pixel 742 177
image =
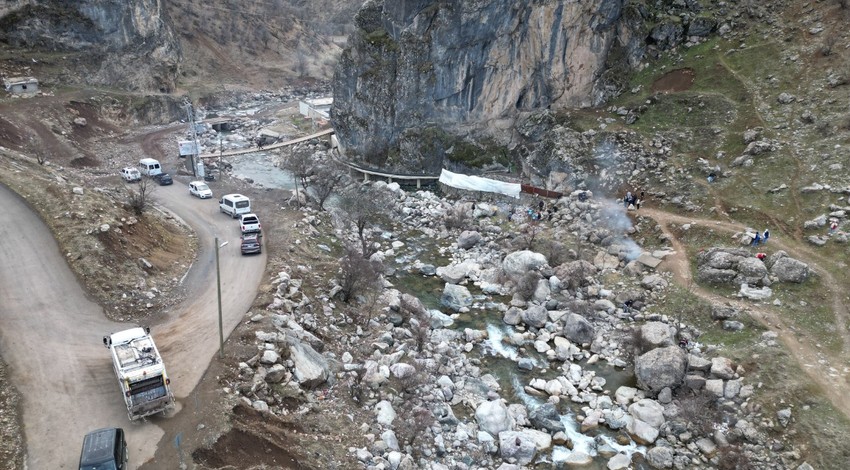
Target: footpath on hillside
pixel 813 361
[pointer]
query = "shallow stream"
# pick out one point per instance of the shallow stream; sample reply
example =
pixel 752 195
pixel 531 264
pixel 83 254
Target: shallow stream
pixel 500 359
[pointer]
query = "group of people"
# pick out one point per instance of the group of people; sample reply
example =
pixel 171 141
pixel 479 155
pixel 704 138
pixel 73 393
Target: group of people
pixel 760 239
pixel 632 199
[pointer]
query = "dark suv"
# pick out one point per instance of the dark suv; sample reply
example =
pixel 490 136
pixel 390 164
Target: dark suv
pixel 104 449
pixel 252 243
pixel 164 179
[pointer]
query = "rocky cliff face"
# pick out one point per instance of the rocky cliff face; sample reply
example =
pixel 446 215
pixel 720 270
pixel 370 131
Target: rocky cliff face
pixel 126 43
pixel 416 69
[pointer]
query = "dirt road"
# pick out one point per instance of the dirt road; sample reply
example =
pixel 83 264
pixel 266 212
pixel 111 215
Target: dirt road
pixel 50 334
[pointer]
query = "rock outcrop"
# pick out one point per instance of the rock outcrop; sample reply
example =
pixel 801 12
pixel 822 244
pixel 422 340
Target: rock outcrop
pixel 417 72
pixel 133 39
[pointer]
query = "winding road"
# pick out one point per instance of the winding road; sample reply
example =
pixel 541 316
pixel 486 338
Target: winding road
pixel 50 333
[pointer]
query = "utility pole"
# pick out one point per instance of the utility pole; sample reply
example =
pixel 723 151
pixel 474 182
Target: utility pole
pixel 197 165
pixel 218 282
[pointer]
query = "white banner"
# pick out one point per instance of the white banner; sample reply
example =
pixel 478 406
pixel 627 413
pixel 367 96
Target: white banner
pixel 477 183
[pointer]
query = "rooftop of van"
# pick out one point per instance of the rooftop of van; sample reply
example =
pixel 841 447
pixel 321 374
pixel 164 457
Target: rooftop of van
pixel 235 196
pixel 148 160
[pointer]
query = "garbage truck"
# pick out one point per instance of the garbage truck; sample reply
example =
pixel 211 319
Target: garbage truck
pixel 140 371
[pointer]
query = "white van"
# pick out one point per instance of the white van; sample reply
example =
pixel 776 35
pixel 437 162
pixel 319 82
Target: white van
pixel 234 205
pixel 150 167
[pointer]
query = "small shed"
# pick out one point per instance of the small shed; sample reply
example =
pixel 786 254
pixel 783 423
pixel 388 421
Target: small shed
pixel 21 85
pixel 316 108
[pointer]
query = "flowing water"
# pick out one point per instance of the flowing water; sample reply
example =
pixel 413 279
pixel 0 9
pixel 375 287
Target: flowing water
pixel 500 355
pixel 260 168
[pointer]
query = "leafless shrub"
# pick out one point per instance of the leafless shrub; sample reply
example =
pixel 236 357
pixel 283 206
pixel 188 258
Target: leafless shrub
pixel 824 128
pixel 526 240
pixel 637 343
pixel 527 284
pixel 734 458
pixel 139 198
pixel 415 423
pixel 365 207
pixel 41 157
pixel 828 44
pixel 421 330
pixel 843 4
pixel 456 218
pixel 357 275
pixel 554 251
pixel 700 412
pixel 408 385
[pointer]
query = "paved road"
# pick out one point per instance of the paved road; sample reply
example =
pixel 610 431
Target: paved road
pixel 50 333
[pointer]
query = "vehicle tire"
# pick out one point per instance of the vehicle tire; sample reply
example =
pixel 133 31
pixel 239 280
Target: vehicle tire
pixel 233 215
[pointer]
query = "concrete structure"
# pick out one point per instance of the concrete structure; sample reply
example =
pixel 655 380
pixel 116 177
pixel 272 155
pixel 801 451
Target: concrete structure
pixel 21 85
pixel 317 108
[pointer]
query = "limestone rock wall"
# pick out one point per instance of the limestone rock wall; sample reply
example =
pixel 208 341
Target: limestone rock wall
pixel 463 66
pixel 126 43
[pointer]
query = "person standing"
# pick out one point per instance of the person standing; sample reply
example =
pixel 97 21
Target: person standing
pixel 627 200
pixel 756 239
pixel 765 236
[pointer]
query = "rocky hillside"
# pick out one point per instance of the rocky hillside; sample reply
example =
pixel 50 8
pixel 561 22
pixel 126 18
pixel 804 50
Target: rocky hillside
pixel 125 44
pixel 167 45
pixel 416 70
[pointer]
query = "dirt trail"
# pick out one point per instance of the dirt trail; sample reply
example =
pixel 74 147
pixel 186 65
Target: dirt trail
pixel 816 363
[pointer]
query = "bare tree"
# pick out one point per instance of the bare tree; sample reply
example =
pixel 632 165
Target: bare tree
pixel 357 276
pixel 328 178
pixel 299 163
pixel 365 207
pixel 139 198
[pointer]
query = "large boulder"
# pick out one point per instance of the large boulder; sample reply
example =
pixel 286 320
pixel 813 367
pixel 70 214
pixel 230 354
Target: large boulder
pixel 535 316
pixel 658 334
pixel 310 368
pixel 546 417
pixel 517 446
pixel 660 457
pixel 577 329
pixel 661 367
pixel 709 275
pixel 493 417
pixel 468 239
pixel 517 264
pixel 752 271
pixel 649 411
pixel 788 269
pixel 454 273
pixel 456 297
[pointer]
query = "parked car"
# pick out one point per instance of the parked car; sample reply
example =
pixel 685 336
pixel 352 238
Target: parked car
pixel 130 174
pixel 104 449
pixel 164 179
pixel 252 243
pixel 200 189
pixel 249 223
